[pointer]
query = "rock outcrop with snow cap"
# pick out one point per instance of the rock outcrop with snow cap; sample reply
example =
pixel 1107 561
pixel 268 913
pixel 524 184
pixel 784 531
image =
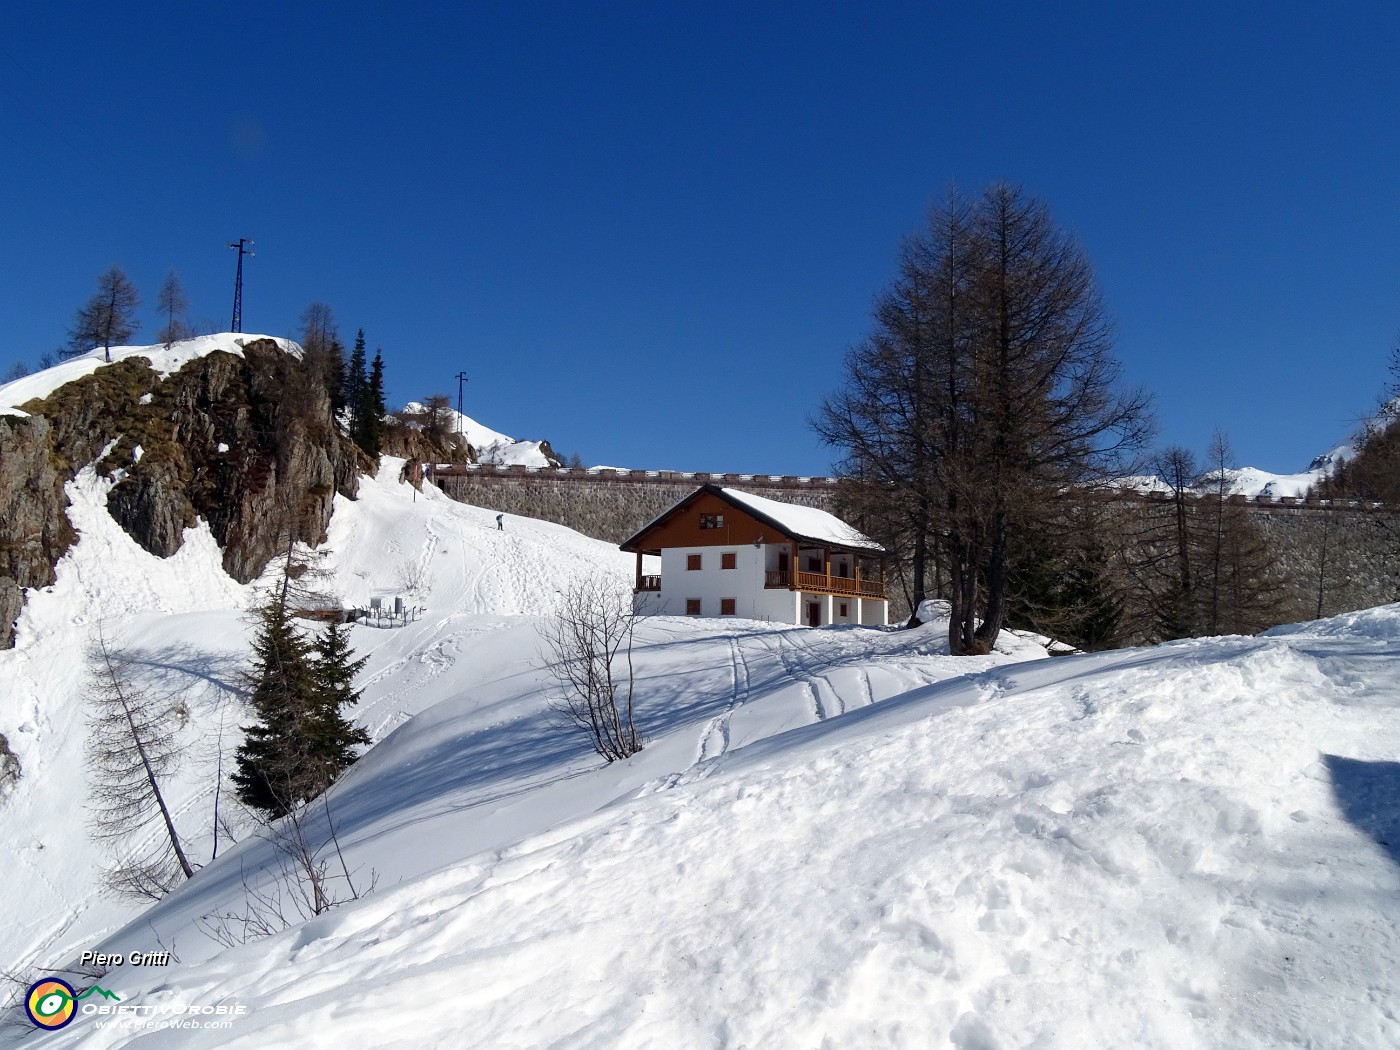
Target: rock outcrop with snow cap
pixel 229 429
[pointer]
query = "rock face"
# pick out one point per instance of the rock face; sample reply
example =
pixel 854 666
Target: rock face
pixel 9 768
pixel 34 531
pixel 402 438
pixel 246 443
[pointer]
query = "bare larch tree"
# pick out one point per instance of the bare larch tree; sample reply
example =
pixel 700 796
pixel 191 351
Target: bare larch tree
pixel 986 396
pixel 131 751
pixel 109 317
pixel 171 302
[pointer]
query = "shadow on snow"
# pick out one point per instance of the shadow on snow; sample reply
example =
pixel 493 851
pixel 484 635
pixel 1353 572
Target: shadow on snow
pixel 1369 796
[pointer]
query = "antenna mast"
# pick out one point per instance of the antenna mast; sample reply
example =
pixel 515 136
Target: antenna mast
pixel 461 378
pixel 238 282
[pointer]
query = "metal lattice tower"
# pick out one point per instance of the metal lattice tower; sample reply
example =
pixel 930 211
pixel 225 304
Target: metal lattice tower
pixel 238 283
pixel 461 378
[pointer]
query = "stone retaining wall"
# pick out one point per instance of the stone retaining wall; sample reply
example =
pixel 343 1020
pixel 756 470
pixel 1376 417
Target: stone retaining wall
pixel 1346 551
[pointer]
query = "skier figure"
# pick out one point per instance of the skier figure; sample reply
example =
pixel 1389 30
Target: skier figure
pixel 500 523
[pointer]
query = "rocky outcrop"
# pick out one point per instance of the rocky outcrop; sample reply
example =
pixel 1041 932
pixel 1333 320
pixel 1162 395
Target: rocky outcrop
pixel 406 437
pixel 34 530
pixel 246 443
pixel 9 769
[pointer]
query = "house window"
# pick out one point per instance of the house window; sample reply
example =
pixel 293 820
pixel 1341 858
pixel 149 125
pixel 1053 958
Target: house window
pixel 726 606
pixel 692 606
pixel 728 560
pixel 692 561
pixel 712 521
pixel 814 565
pixel 843 608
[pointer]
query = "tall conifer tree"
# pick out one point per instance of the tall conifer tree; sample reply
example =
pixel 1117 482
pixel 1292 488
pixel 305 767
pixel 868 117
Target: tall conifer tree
pixel 273 769
pixel 371 414
pixel 356 380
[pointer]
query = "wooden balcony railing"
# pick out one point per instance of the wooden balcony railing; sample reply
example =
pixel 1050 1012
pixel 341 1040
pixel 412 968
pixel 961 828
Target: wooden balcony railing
pixel 818 581
pixel 806 581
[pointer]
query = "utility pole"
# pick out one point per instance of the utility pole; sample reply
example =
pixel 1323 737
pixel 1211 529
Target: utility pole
pixel 461 378
pixel 238 282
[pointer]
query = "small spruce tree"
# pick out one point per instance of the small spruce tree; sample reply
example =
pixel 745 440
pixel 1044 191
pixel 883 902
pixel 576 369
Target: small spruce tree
pixel 273 771
pixel 302 739
pixel 332 737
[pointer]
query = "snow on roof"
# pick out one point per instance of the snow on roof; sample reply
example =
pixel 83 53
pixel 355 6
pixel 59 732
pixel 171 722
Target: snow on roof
pixel 44 382
pixel 808 523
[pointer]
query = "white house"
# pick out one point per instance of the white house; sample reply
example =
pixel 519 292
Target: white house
pixel 731 553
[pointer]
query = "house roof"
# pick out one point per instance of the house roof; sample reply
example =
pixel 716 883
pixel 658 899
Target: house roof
pixel 789 519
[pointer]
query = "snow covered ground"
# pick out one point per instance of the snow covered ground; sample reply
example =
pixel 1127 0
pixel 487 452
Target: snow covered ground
pixel 834 838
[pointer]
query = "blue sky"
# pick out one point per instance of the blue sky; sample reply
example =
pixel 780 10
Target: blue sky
pixel 649 232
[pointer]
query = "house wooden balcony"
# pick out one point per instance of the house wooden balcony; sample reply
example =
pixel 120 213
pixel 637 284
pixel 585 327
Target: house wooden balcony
pixel 811 582
pixel 821 583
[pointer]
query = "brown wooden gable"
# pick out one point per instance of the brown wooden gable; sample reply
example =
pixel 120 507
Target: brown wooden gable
pixel 680 526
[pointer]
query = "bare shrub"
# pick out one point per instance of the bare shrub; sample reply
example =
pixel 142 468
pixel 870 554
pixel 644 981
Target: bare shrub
pixel 311 877
pixel 588 646
pixel 413 577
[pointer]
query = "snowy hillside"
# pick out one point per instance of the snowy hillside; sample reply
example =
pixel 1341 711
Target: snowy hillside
pixel 183 618
pixel 835 837
pixel 1252 482
pixel 491 445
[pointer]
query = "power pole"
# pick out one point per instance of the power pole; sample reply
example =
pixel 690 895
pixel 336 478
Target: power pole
pixel 238 282
pixel 461 378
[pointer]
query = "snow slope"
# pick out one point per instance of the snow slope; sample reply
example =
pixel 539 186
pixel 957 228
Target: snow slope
pixel 183 618
pixel 471 661
pixel 1251 481
pixel 836 837
pixel 1180 847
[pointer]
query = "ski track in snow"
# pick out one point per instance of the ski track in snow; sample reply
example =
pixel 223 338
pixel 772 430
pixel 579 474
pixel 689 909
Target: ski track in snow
pixel 714 741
